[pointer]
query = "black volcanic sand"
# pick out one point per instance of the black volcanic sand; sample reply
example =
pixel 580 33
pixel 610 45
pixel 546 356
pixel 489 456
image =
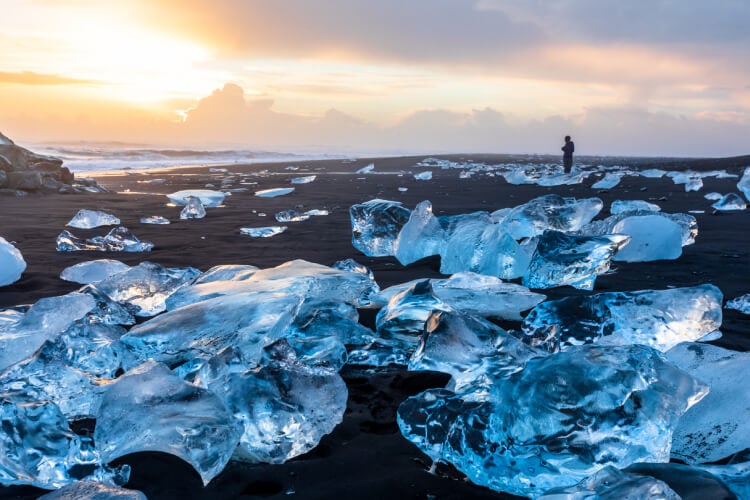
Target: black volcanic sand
pixel 365 456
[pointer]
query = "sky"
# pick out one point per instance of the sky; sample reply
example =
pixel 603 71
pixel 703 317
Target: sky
pixel 642 77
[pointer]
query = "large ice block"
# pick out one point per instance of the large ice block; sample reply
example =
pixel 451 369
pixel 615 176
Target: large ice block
pixel 151 409
pixel 610 180
pixel 93 271
pixel 193 209
pixel 422 236
pixel 376 225
pixel 120 239
pixel 611 483
pixel 89 219
pixel 652 237
pixel 687 222
pixel 208 198
pixel 658 318
pixel 550 212
pixel 12 264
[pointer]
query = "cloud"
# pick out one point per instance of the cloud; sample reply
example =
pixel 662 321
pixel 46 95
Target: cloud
pixel 31 78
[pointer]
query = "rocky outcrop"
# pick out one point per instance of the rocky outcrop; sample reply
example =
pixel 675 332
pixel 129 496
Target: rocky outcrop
pixel 23 171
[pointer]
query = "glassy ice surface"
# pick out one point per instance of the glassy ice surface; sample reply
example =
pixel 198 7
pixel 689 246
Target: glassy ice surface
pixel 422 236
pixel 424 176
pixel 235 272
pixel 744 183
pixel 549 212
pixel 729 202
pixel 273 193
pixel 652 237
pixel 563 259
pixel 12 264
pixel 106 310
pixel 717 427
pixel 208 197
pixel 291 216
pixel 713 196
pixel 692 180
pixel 376 225
pixel 154 219
pixel 560 419
pixel 120 239
pixel 687 223
pixel 610 180
pixel 486 296
pixel 688 481
pixel 193 209
pixel 653 173
pixel 736 474
pixel 43 321
pixel 623 206
pixel 658 318
pixel 91 490
pixel 372 288
pixel 151 409
pixel 612 484
pixel 741 304
pixel 307 179
pixel 366 169
pixel 89 219
pixel 262 232
pixel 144 288
pixel 93 271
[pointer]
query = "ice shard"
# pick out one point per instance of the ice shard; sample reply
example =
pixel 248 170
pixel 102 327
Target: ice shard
pixel 154 219
pixel 550 212
pixel 422 236
pixel 92 490
pixel 652 237
pixel 563 259
pixel 713 196
pixel 744 183
pixel 623 206
pixel 262 232
pixel 610 180
pixel 658 318
pixel 610 483
pixel 193 209
pixel 106 310
pixel 273 193
pixel 151 409
pixel 291 216
pixel 741 304
pixel 730 202
pixel 307 179
pixel 208 198
pixel 717 427
pixel 120 239
pixel 560 419
pixel 89 219
pixel 376 225
pixel 93 271
pixel 423 176
pixel 12 264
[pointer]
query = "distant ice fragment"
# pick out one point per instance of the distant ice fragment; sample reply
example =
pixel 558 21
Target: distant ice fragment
pixel 235 272
pixel 610 180
pixel 151 409
pixel 422 236
pixel 304 180
pixel 653 173
pixel 93 271
pixel 262 232
pixel 193 208
pixel 730 202
pixel 209 198
pixel 652 237
pixel 316 212
pixel 549 212
pixel 154 219
pixel 273 193
pixel 424 176
pixel 741 304
pixel 744 183
pixel 120 239
pixel 291 216
pixel 366 169
pixel 713 196
pixel 12 264
pixel 692 180
pixel 658 318
pixel 88 219
pixel 610 483
pixel 376 225
pixel 623 206
pixel 92 490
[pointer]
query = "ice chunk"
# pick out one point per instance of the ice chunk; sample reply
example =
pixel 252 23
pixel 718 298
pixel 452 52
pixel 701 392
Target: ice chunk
pixel 559 420
pixel 736 474
pixel 659 318
pixel 307 179
pixel 744 183
pixel 652 237
pixel 367 169
pixel 193 208
pixel 423 176
pixel 145 287
pixel 376 225
pixel 120 239
pixel 89 219
pixel 12 264
pixel 93 270
pixel 316 212
pixel 237 272
pixel 653 173
pixel 713 196
pixel 549 212
pixel 687 223
pixel 291 216
pixel 692 180
pixel 686 480
pixel 43 321
pixel 262 232
pixel 422 236
pixel 717 427
pixel 407 311
pixel 741 304
pixel 352 266
pixel 273 193
pixel 91 490
pixel 151 409
pixel 106 310
pixel 562 259
pixel 154 219
pixel 486 296
pixel 623 206
pixel 610 180
pixel 208 198
pixel 730 201
pixel 612 484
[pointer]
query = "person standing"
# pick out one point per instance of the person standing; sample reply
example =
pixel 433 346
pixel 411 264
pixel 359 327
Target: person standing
pixel 567 150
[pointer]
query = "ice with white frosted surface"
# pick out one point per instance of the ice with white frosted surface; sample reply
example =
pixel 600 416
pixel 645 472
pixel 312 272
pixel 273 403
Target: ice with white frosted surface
pixel 376 225
pixel 307 179
pixel 12 264
pixel 729 202
pixel 713 196
pixel 151 409
pixel 208 197
pixel 89 219
pixel 120 239
pixel 652 237
pixel 658 318
pixel 423 176
pixel 422 236
pixel 92 490
pixel 262 232
pixel 273 193
pixel 741 304
pixel 622 206
pixel 93 270
pixel 550 212
pixel 193 209
pixel 154 219
pixel 612 484
pixel 688 224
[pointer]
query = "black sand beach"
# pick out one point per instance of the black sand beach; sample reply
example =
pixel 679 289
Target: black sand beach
pixel 365 456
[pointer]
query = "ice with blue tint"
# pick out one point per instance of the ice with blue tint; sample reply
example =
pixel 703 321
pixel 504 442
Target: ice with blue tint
pixel 307 179
pixel 120 239
pixel 45 320
pixel 371 287
pixel 610 483
pixel 273 193
pixel 106 310
pixel 549 212
pixel 92 490
pixel 89 219
pixel 193 209
pixel 653 173
pixel 93 271
pixel 367 169
pixel 713 196
pixel 154 219
pixel 423 176
pixel 652 237
pixel 283 405
pixel 151 409
pixel 564 259
pixel 741 304
pixel 208 198
pixel 658 318
pixel 291 216
pixel 730 202
pixel 144 288
pixel 262 232
pixel 693 181
pixel 744 183
pixel 735 474
pixel 560 419
pixel 610 180
pixel 718 426
pixel 12 264
pixel 623 206
pixel 687 223
pixel 422 236
pixel 376 225
pixel 236 272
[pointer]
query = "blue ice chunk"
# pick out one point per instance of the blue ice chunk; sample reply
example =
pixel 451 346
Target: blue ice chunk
pixel 307 179
pixel 208 198
pixel 744 183
pixel 262 232
pixel 610 180
pixel 730 202
pixel 741 304
pixel 92 490
pixel 610 483
pixel 89 219
pixel 422 236
pixel 423 176
pixel 735 474
pixel 623 206
pixel 106 310
pixel 93 270
pixel 12 264
pixel 273 193
pixel 376 225
pixel 563 259
pixel 154 219
pixel 652 237
pixel 120 239
pixel 235 272
pixel 193 209
pixel 687 223
pixel 658 318
pixel 549 212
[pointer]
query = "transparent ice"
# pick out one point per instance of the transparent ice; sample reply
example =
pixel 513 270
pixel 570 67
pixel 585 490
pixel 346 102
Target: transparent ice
pixel 549 212
pixel 623 206
pixel 237 272
pixel 692 180
pixel 735 474
pixel 741 304
pixel 376 225
pixel 653 173
pixel 92 490
pixel 713 196
pixel 729 202
pixel 610 180
pixel 154 219
pixel 424 176
pixel 193 209
pixel 93 271
pixel 744 183
pixel 610 483
pixel 273 193
pixel 307 179
pixel 652 237
pixel 422 236
pixel 209 198
pixel 687 223
pixel 106 310
pixel 291 216
pixel 120 239
pixel 12 264
pixel 89 219
pixel 262 232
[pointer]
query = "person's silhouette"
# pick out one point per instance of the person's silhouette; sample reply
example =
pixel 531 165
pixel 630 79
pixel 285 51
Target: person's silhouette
pixel 567 150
